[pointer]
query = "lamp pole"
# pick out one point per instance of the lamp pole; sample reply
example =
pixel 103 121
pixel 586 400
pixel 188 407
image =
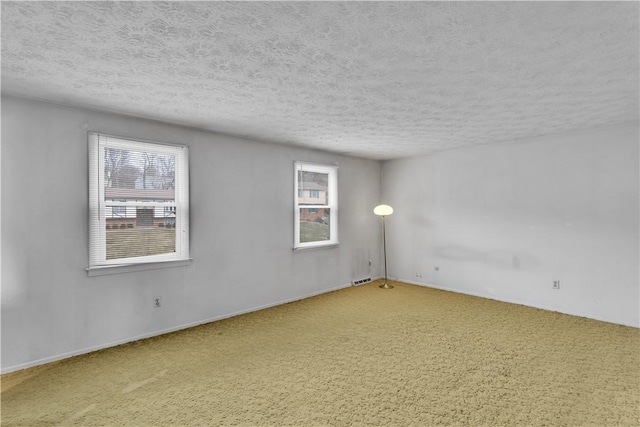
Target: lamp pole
pixel 385 285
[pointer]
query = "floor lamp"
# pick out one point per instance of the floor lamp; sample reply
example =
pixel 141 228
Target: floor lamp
pixel 384 210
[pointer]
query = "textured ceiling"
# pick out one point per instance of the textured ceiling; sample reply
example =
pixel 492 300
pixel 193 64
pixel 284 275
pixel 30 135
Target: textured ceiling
pixel 373 79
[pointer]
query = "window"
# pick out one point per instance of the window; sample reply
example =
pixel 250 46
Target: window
pixel 118 211
pixel 316 205
pixel 138 202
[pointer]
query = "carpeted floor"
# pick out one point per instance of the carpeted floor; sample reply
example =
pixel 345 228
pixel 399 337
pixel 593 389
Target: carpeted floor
pixel 410 356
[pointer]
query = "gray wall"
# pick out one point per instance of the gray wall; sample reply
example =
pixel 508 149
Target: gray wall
pixel 241 235
pixel 504 221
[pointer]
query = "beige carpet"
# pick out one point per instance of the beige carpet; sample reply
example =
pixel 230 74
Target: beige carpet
pixel 410 356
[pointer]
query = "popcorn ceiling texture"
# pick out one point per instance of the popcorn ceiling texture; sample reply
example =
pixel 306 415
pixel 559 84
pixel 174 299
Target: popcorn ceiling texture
pixel 411 356
pixel 373 79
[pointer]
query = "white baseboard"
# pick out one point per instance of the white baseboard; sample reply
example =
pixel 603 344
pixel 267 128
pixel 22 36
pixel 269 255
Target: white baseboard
pixel 162 332
pixel 525 303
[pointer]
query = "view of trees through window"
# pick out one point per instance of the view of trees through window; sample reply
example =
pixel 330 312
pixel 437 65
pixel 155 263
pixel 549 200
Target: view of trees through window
pixel 145 183
pixel 141 170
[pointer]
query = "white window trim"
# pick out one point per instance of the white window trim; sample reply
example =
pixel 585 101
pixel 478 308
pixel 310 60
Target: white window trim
pixel 332 205
pixel 98 264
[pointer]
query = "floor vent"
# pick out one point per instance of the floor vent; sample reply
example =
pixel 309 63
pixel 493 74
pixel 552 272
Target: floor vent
pixel 361 281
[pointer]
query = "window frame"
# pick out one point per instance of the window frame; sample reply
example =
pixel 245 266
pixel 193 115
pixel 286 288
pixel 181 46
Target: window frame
pixel 332 204
pixel 98 262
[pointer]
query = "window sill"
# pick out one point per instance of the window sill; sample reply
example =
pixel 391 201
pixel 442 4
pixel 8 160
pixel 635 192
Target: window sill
pixel 309 248
pixel 129 268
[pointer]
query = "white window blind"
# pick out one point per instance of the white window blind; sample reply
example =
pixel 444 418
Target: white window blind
pixel 316 205
pixel 138 202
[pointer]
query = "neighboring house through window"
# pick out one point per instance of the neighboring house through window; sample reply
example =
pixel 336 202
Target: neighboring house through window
pixel 316 205
pixel 138 202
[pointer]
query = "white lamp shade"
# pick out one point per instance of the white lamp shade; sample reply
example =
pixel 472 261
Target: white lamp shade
pixel 383 210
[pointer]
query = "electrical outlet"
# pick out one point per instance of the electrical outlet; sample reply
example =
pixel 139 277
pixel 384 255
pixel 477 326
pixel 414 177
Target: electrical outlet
pixel 418 275
pixel 556 284
pixel 157 302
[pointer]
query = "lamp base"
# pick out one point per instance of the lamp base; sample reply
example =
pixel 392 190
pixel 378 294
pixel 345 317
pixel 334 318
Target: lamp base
pixel 385 285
